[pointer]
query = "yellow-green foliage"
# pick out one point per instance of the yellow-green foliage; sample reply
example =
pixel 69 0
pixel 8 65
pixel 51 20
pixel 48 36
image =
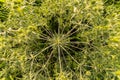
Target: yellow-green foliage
pixel 59 40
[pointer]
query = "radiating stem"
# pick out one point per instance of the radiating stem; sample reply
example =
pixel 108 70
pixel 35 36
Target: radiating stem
pixel 59 58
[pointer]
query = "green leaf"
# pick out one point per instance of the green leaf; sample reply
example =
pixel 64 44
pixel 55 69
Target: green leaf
pixel 2 0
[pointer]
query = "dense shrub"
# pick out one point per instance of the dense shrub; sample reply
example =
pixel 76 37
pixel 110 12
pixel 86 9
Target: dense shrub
pixel 60 40
pixel 3 12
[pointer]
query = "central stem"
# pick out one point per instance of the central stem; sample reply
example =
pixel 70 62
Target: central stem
pixel 58 40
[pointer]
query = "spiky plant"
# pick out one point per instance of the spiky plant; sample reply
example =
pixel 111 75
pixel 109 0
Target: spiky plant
pixel 58 40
